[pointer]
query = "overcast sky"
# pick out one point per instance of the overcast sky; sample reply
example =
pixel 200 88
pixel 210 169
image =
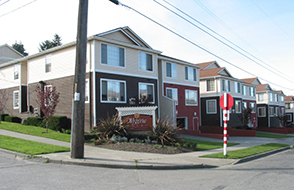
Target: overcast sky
pixel 264 28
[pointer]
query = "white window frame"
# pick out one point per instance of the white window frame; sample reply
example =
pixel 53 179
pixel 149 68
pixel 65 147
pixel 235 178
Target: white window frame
pixel 238 102
pixel 188 77
pixel 16 100
pixel 226 84
pixel 112 80
pixel 271 111
pixel 147 84
pixel 112 65
pixel 277 111
pixel 144 67
pixel 207 110
pixel 244 105
pixel 174 92
pixel 260 97
pixel 208 89
pixel 270 97
pixel 252 91
pixel 264 110
pixel 196 92
pixel 48 63
pixel 244 93
pixel 237 87
pixel 252 106
pixel 87 91
pixel 16 72
pixel 173 68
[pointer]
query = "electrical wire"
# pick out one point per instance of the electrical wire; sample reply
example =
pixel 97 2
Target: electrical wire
pixel 18 8
pixel 4 3
pixel 193 43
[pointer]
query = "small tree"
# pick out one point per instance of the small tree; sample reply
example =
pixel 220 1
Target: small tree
pixel 47 44
pixel 3 100
pixel 19 47
pixel 47 99
pixel 245 116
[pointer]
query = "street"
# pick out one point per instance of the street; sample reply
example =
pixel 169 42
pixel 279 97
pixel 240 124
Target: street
pixel 271 172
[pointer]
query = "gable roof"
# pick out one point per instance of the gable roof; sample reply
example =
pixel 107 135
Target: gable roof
pixel 130 34
pixel 289 99
pixel 215 72
pixel 8 53
pixel 263 87
pixel 254 80
pixel 208 65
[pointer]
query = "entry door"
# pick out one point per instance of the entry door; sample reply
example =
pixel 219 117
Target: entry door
pixel 195 123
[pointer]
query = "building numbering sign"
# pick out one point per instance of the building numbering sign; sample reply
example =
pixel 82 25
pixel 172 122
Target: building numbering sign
pixel 139 121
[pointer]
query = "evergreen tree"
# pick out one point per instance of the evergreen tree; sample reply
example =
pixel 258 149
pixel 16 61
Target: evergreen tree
pixel 19 47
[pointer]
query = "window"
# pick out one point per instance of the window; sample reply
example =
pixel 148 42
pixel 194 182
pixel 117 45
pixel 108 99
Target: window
pixel 210 85
pixel 270 97
pixel 146 92
pixel 172 93
pixel 226 85
pixel 282 111
pixel 87 90
pixel 16 71
pixel 271 111
pixel 113 91
pixel 261 112
pixel 276 98
pixel 190 74
pixel 260 97
pixel 287 105
pixel 252 91
pixel 16 99
pixel 145 62
pixel 48 63
pixel 171 70
pixel 244 105
pixel 277 111
pixel 182 123
pixel 211 107
pixel 47 88
pixel 238 106
pixel 244 90
pixel 289 117
pixel 112 55
pixel 282 98
pixel 237 87
pixel 252 106
pixel 191 97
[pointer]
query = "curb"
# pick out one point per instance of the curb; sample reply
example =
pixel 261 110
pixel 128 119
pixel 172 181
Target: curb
pixel 261 155
pixel 17 154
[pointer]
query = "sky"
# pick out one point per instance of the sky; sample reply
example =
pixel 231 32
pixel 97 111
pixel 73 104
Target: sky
pixel 263 29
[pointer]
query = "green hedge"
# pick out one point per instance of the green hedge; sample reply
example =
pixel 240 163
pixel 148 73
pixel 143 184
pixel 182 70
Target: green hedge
pixel 2 116
pixel 35 121
pixel 13 119
pixel 58 123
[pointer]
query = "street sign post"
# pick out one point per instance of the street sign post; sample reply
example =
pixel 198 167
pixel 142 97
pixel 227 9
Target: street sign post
pixel 226 103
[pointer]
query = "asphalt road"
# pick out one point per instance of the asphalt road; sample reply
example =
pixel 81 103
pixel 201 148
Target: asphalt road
pixel 271 172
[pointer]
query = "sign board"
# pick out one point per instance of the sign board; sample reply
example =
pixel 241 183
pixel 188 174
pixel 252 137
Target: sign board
pixel 139 121
pixel 226 102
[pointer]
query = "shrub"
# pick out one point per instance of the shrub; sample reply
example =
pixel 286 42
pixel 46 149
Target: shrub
pixel 165 133
pixel 111 126
pixel 13 119
pixel 57 123
pixel 35 121
pixel 2 116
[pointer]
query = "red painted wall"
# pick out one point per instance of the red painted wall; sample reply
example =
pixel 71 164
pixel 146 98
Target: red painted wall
pixel 190 112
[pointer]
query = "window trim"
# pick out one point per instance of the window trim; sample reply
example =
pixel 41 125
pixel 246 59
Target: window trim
pixel 237 90
pixel 258 112
pixel 277 111
pixel 252 107
pixel 238 101
pixel 14 99
pixel 106 64
pixel 213 100
pixel 16 69
pixel 214 81
pixel 244 90
pixel 146 64
pixel 48 57
pixel 187 74
pixel 271 114
pixel 171 66
pixel 168 88
pixel 186 90
pixel 153 90
pixel 125 93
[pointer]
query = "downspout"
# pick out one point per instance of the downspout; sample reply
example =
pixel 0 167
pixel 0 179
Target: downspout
pixel 94 83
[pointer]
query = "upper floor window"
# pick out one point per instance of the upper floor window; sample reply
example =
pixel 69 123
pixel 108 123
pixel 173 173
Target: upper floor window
pixel 171 70
pixel 113 91
pixel 145 62
pixel 252 91
pixel 112 55
pixel 282 98
pixel 237 87
pixel 16 71
pixel 260 97
pixel 210 85
pixel 270 97
pixel 172 93
pixel 211 107
pixel 226 85
pixel 48 63
pixel 191 97
pixel 190 74
pixel 244 91
pixel 146 92
pixel 16 99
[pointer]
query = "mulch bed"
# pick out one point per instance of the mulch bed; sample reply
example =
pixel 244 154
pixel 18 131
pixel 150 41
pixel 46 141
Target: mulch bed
pixel 144 147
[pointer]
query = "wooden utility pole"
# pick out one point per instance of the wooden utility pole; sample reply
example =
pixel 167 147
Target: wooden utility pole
pixel 77 139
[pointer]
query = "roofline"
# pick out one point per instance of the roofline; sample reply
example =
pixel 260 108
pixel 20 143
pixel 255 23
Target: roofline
pixel 12 49
pixel 168 58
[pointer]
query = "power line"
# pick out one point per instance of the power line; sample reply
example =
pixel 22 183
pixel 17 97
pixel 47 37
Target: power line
pixel 193 43
pixel 4 2
pixel 279 74
pixel 18 8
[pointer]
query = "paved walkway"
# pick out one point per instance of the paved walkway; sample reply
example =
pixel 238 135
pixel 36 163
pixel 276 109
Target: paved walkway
pixel 94 156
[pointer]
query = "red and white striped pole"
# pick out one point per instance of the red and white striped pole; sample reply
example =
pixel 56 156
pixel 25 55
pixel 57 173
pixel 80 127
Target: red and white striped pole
pixel 225 116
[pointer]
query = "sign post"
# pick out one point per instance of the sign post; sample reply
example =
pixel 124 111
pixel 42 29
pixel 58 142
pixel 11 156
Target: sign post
pixel 226 102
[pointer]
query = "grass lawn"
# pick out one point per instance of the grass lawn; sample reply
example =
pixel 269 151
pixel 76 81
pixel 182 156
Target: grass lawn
pixel 236 154
pixel 29 147
pixel 267 135
pixel 33 130
pixel 207 145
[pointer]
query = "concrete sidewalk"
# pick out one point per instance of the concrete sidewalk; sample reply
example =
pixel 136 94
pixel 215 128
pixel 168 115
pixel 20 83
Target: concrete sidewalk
pixel 100 157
